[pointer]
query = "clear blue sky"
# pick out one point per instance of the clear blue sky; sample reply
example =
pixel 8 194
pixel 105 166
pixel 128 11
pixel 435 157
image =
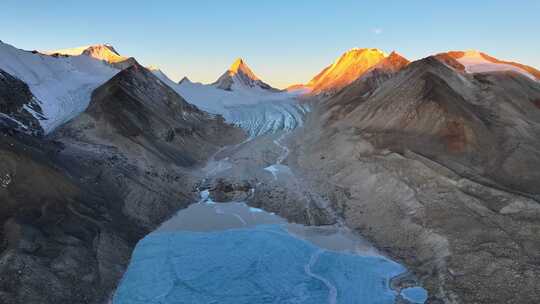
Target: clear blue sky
pixel 284 42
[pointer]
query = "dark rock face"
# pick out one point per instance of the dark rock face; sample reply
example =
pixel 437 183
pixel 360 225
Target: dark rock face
pixel 14 96
pixel 74 204
pixel 439 168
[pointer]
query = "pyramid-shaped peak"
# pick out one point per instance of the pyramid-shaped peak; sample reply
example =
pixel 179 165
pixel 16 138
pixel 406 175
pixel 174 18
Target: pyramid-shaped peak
pixel 240 75
pixel 238 63
pixel 240 67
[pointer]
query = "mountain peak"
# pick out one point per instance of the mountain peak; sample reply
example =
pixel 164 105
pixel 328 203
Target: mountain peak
pixel 346 69
pixel 359 51
pixel 472 53
pixel 184 79
pixel 240 75
pixel 105 52
pixel 239 66
pixel 393 62
pixel 104 47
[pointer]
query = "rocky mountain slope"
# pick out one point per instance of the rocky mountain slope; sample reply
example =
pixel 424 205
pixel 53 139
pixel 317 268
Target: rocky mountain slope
pixel 75 203
pixel 434 163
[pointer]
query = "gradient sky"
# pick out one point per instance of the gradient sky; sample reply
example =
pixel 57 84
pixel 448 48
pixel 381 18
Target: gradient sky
pixel 284 42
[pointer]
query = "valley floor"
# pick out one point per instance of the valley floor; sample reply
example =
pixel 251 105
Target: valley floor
pixel 256 172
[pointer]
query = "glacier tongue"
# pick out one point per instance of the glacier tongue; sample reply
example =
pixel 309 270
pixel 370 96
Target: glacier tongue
pixel 267 117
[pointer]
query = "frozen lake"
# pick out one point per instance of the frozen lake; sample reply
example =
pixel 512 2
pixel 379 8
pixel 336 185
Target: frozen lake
pixel 231 253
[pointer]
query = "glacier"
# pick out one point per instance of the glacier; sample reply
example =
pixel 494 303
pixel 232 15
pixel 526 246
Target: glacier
pixel 256 110
pixel 63 85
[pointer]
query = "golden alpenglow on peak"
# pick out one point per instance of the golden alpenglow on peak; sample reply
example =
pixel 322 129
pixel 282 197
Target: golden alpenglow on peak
pixel 347 68
pixel 240 66
pixel 104 52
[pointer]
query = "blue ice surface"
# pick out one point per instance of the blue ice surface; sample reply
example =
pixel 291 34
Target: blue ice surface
pixel 417 295
pixel 268 116
pixel 261 264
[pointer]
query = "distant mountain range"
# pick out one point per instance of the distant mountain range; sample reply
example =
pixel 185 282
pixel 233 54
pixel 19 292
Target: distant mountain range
pixel 437 161
pixel 62 80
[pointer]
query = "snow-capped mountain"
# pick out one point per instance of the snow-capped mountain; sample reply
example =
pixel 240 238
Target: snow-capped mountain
pixel 474 61
pixel 62 84
pixel 346 69
pixel 367 83
pixel 239 75
pixel 242 99
pixel 104 52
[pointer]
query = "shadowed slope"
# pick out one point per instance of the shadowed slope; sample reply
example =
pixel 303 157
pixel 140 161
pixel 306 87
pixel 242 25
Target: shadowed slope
pixel 17 104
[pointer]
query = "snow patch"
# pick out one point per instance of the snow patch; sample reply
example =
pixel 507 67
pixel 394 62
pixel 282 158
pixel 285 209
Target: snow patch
pixel 474 62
